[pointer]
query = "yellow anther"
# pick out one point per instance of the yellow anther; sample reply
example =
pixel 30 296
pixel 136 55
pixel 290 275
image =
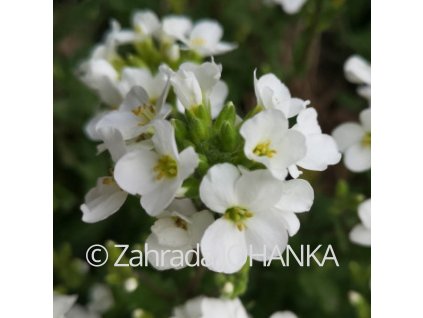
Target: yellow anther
pixel 146 113
pixel 179 222
pixel 366 141
pixel 166 167
pixel 108 181
pixel 263 149
pixel 198 41
pixel 238 216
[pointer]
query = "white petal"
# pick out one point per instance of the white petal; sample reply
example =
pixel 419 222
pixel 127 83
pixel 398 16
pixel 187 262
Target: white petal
pixel 169 234
pixel 357 70
pixel 137 96
pixel 296 106
pixel 223 47
pixel 102 201
pixel 145 22
pixel 207 74
pixel 265 234
pixel 187 88
pixel 360 235
pixel 188 162
pixel 113 142
pixel 217 189
pixel 358 158
pixel 365 119
pixel 364 212
pixel 156 201
pixel 223 247
pixel 91 127
pixel 134 172
pixel 164 139
pixel 291 6
pixel 297 196
pixel 258 190
pixel 182 206
pixel 307 122
pixel 217 97
pixel 272 93
pixel 176 26
pixel 205 35
pixel 294 172
pixel 200 222
pixel 284 314
pixel 347 134
pixel 162 260
pixel 365 91
pixel 222 308
pixel 134 76
pixel 291 222
pixel 321 152
pixel 125 122
pixel 62 304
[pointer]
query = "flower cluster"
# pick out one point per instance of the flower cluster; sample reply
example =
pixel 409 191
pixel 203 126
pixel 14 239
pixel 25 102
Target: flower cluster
pixel 208 176
pixel 205 307
pixel 354 140
pixel 129 57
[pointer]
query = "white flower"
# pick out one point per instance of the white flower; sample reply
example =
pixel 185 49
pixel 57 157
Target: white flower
pixel 179 228
pixel 199 84
pixel 156 174
pixel 269 141
pixel 283 314
pixel 321 148
pixel 101 298
pixel 146 23
pixel 271 93
pixel 103 200
pixel 360 234
pixel 176 27
pixel 256 215
pixel 357 71
pixel 354 140
pixel 100 76
pixel 137 112
pixel 291 6
pixel 205 307
pixel 204 38
pixel 62 304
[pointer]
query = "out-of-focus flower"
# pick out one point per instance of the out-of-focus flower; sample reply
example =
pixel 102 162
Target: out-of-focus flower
pixel 62 304
pixel 360 234
pixel 321 148
pixel 205 307
pixel 103 200
pixel 271 93
pixel 251 222
pixel 357 71
pixel 145 22
pixel 178 229
pixel 269 141
pixel 354 140
pixel 283 314
pixel 101 298
pixel 291 6
pixel 156 174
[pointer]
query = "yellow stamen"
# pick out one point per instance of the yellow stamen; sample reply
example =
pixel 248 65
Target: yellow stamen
pixel 366 141
pixel 238 216
pixel 263 149
pixel 166 167
pixel 198 41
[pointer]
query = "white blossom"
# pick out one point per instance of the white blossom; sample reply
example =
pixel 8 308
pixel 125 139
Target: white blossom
pixel 156 174
pixel 290 6
pixel 271 93
pixel 205 307
pixel 179 228
pixel 321 148
pixel 269 141
pixel 256 216
pixel 145 23
pixel 360 234
pixel 284 314
pixel 357 71
pixel 354 140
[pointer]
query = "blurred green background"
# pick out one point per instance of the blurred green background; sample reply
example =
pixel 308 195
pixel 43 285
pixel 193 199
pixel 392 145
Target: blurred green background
pixel 307 52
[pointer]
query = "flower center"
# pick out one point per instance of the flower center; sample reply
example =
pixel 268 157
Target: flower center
pixel 263 149
pixel 181 223
pixel 146 113
pixel 198 41
pixel 166 167
pixel 366 141
pixel 108 181
pixel 238 215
